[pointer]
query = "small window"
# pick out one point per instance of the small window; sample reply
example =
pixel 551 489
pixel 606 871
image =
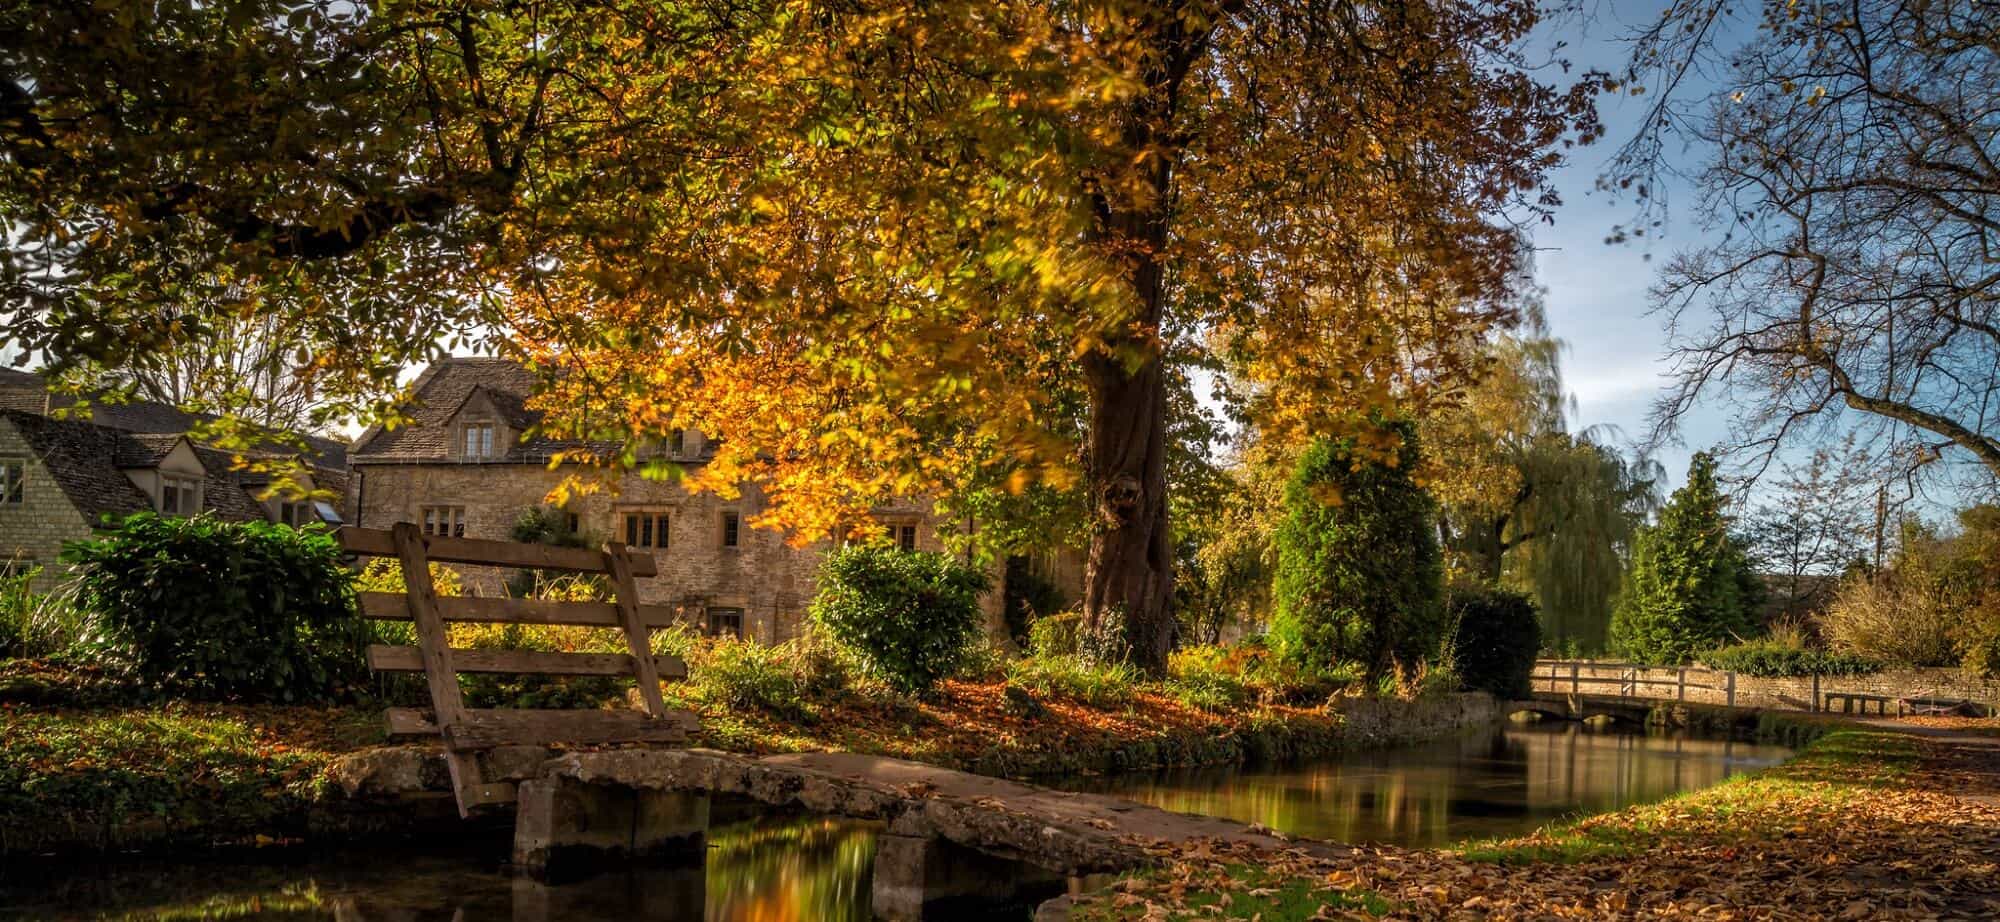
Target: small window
pixel 445 521
pixel 297 515
pixel 906 537
pixel 646 529
pixel 732 527
pixel 677 442
pixel 725 621
pixel 573 523
pixel 478 441
pixel 179 495
pixel 13 476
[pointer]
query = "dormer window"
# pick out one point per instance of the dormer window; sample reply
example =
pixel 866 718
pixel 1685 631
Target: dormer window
pixel 478 441
pixel 297 515
pixel 179 495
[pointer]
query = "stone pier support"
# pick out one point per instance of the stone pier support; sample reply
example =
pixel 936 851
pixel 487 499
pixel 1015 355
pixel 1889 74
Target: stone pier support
pixel 564 829
pixel 913 871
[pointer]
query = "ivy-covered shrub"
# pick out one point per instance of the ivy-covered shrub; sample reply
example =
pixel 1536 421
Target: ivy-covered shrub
pixel 909 618
pixel 1027 596
pixel 203 608
pixel 1496 639
pixel 1765 659
pixel 1359 573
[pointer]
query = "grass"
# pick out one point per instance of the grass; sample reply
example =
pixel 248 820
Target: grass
pixel 176 772
pixel 1233 890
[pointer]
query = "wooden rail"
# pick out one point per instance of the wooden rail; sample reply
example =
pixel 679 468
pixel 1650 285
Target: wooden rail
pixel 1630 679
pixel 466 731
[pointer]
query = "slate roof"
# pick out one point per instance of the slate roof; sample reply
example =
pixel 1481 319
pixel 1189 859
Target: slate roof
pixel 28 392
pixel 440 391
pixel 82 460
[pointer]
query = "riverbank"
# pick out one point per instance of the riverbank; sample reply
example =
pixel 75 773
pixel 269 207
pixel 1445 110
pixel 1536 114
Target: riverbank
pixel 88 770
pixel 1868 822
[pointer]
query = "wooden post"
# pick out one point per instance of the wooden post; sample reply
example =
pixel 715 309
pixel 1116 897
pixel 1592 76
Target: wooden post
pixel 446 702
pixel 638 639
pixel 1681 679
pixel 1815 695
pixel 1575 683
pixel 1731 680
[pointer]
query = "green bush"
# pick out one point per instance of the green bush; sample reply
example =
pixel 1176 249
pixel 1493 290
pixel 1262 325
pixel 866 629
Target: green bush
pixel 1359 573
pixel 1056 635
pixel 209 609
pixel 744 674
pixel 1766 659
pixel 1074 678
pixel 1207 677
pixel 1689 588
pixel 909 618
pixel 1496 639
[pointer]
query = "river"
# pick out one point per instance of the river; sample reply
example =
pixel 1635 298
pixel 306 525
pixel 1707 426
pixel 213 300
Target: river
pixel 772 869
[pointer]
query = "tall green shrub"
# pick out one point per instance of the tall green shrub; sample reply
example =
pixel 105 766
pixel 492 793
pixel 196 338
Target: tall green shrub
pixel 1496 638
pixel 908 617
pixel 1689 588
pixel 210 609
pixel 1359 573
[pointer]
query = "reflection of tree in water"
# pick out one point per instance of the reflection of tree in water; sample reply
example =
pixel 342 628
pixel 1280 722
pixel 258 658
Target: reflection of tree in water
pixel 793 869
pixel 1504 782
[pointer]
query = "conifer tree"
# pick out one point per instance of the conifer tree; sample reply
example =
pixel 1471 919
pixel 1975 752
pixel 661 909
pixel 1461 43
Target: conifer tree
pixel 1690 587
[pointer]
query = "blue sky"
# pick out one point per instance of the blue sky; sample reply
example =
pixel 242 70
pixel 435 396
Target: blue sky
pixel 1597 291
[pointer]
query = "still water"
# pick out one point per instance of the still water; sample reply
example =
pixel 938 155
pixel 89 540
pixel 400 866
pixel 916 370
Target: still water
pixel 773 869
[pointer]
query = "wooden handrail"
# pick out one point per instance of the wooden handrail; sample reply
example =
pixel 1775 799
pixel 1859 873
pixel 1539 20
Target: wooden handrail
pixel 375 542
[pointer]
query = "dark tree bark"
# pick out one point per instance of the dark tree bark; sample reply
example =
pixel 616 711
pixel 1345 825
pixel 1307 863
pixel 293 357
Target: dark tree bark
pixel 1128 585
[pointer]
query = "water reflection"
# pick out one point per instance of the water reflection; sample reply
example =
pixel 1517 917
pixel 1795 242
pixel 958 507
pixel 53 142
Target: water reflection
pixel 1507 781
pixel 787 869
pixel 775 869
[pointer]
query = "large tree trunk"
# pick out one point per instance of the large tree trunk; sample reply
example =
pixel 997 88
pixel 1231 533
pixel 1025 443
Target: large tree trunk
pixel 1128 586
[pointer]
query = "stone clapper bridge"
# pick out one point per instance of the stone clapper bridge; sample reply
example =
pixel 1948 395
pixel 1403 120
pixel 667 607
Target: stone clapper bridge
pixel 948 834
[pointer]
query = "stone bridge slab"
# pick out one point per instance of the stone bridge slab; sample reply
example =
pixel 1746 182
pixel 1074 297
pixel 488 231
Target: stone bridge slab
pixel 1060 831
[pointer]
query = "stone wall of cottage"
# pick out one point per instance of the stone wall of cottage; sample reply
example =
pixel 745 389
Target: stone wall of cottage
pixel 771 581
pixel 32 533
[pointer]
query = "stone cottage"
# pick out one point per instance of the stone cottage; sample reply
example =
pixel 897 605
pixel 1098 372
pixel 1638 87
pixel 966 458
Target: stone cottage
pixel 62 478
pixel 466 466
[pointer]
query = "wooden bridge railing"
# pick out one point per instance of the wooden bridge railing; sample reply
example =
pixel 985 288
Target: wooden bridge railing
pixel 1629 680
pixel 466 730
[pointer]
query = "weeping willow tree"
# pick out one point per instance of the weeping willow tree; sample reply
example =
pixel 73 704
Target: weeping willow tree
pixel 1579 525
pixel 1528 504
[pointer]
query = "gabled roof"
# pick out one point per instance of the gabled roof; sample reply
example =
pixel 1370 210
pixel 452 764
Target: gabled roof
pixel 146 449
pixel 440 392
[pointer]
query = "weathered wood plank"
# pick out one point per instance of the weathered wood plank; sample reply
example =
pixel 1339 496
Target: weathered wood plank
pixel 390 658
pixel 389 606
pixel 434 660
pixel 374 542
pixel 486 728
pixel 638 637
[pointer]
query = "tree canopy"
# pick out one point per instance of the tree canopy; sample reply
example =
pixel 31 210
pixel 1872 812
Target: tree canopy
pixel 878 249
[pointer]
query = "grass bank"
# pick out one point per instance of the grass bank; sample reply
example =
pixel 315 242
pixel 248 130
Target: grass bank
pixel 89 768
pixel 1866 823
